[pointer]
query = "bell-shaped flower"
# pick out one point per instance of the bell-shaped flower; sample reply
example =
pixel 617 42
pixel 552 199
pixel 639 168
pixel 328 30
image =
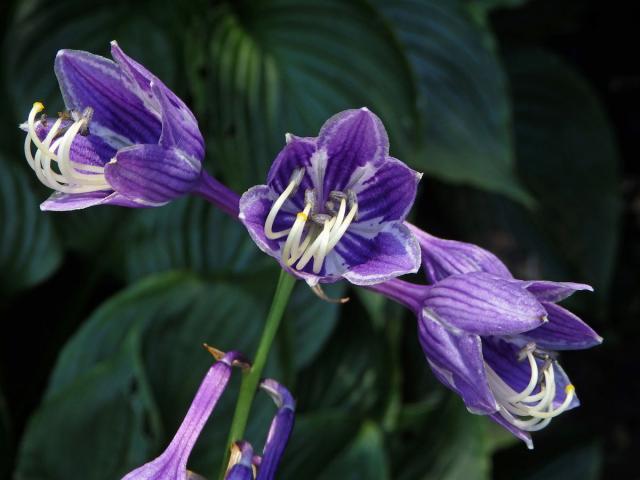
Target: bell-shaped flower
pixel 125 138
pixel 172 463
pixel 333 206
pixel 492 340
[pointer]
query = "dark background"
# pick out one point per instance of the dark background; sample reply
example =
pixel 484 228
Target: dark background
pixel 572 112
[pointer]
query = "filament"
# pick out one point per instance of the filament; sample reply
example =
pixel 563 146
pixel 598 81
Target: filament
pixel 70 177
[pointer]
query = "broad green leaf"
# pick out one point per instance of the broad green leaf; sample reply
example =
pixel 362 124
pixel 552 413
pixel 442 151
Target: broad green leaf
pixel 352 372
pixel 156 328
pixel 448 443
pixel 364 459
pixel 317 439
pixel 39 29
pixel 92 428
pixel 29 247
pixel 287 66
pixel 187 234
pixel 568 159
pixel 463 99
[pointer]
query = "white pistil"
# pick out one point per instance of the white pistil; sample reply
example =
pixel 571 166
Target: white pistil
pixel 305 243
pixel 524 409
pixel 56 147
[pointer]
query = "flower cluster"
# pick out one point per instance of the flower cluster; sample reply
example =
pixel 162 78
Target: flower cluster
pixel 333 207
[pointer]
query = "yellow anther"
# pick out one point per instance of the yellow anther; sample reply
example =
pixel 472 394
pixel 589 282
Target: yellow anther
pixel 39 106
pixel 303 216
pixel 569 389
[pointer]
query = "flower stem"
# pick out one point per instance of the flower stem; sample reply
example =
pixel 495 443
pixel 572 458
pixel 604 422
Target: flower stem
pixel 251 378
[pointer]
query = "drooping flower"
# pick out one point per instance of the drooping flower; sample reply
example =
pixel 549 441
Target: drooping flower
pixel 243 464
pixel 334 205
pixel 125 139
pixel 493 340
pixel 172 463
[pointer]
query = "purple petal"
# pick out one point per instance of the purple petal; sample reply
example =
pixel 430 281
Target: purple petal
pixel 63 202
pixel 151 174
pixel 242 458
pixel 554 291
pixel 391 253
pixel 517 432
pixel 179 127
pixel 295 155
pixel 280 429
pixel 442 258
pixel 562 381
pixel 119 115
pixel 172 463
pixel 563 331
pixel 388 194
pixel 351 139
pixel 483 304
pixel 504 358
pixel 457 362
pixel 255 205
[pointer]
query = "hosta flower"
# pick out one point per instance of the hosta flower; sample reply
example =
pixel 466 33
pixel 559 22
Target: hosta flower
pixel 243 464
pixel 125 138
pixel 172 463
pixel 493 341
pixel 334 205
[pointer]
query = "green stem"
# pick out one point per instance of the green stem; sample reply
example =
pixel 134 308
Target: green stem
pixel 251 378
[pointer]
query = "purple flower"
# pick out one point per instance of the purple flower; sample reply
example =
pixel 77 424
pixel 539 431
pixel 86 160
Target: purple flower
pixel 125 139
pixel 493 339
pixel 243 464
pixel 172 463
pixel 334 205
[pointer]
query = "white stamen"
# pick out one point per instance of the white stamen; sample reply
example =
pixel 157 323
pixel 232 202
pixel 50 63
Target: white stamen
pixel 310 242
pixel 526 410
pixel 71 177
pixel 296 178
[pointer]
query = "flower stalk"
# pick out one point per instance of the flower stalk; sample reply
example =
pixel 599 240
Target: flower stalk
pixel 251 378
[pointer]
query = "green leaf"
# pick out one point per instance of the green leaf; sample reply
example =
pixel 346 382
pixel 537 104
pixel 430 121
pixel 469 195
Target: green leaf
pixel 100 417
pixel 352 372
pixel 462 95
pixel 317 439
pixel 153 332
pixel 448 443
pixel 287 66
pixel 364 458
pixel 187 234
pixel 29 247
pixel 41 28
